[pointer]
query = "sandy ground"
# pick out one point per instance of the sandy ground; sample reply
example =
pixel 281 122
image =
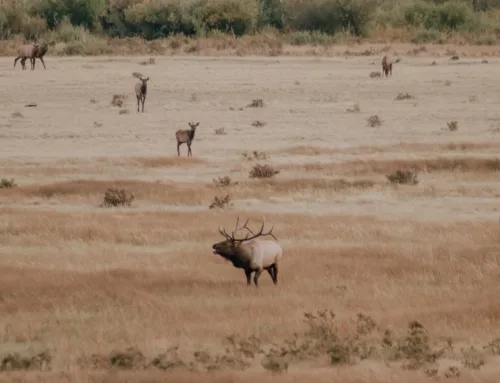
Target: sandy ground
pixel 81 279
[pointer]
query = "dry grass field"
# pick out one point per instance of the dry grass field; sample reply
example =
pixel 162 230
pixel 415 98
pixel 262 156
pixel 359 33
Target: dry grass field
pixel 411 271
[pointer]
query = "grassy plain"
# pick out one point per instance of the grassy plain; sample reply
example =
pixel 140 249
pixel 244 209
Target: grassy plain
pixel 85 284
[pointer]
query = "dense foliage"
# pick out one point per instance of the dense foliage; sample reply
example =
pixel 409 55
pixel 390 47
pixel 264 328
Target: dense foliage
pixel 160 18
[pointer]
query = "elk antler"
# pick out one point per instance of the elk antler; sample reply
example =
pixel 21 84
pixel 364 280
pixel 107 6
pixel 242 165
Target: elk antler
pixel 260 233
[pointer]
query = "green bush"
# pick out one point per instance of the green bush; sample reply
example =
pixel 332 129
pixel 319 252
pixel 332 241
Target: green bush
pixel 331 16
pixel 227 16
pixel 271 14
pixel 79 12
pixel 451 15
pixel 158 19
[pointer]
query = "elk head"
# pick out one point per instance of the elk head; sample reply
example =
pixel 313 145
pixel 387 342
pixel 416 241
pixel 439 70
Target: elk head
pixel 231 245
pixel 193 125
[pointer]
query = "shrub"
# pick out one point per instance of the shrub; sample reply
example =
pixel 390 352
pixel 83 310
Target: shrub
pixel 117 197
pixel 227 16
pixel 221 202
pixel 263 171
pixel 158 19
pixel 451 15
pixel 406 176
pixel 271 13
pixel 79 12
pixel 330 16
pixel 5 183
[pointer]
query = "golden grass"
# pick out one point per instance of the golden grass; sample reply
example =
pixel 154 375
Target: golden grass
pixel 183 193
pixel 311 150
pixel 161 162
pixel 86 283
pixel 441 164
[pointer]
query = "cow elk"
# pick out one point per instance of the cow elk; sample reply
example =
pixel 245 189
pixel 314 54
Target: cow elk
pixel 251 253
pixel 32 52
pixel 387 65
pixel 186 137
pixel 141 90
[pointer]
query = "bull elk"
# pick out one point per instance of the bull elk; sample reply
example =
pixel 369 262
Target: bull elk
pixel 251 253
pixel 387 65
pixel 186 136
pixel 32 52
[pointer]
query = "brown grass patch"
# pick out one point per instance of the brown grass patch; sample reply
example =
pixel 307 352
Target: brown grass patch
pixel 307 150
pixel 177 193
pixel 164 162
pixel 457 164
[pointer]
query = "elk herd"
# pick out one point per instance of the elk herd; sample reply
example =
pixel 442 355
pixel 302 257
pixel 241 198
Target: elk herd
pixel 250 253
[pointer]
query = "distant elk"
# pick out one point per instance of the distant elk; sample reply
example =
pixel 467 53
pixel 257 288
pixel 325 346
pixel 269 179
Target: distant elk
pixel 387 65
pixel 186 137
pixel 141 90
pixel 251 253
pixel 32 52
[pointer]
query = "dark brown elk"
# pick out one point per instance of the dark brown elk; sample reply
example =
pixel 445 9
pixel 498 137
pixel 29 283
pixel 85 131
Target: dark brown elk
pixel 32 52
pixel 186 137
pixel 141 90
pixel 251 253
pixel 387 65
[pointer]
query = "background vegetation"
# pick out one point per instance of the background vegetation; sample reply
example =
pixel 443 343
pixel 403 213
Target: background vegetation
pixel 83 23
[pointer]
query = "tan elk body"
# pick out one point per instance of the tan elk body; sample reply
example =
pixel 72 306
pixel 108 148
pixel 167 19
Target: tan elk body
pixel 186 137
pixel 387 62
pixel 252 254
pixel 141 91
pixel 32 52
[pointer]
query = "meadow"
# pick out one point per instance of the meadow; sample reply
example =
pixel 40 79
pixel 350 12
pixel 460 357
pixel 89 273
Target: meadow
pixel 384 197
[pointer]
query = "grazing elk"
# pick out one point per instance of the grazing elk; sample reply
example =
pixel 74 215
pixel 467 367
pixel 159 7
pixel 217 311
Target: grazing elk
pixel 141 90
pixel 186 137
pixel 32 52
pixel 387 65
pixel 251 253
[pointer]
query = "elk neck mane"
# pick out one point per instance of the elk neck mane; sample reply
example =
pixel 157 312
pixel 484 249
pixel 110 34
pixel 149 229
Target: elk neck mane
pixel 190 133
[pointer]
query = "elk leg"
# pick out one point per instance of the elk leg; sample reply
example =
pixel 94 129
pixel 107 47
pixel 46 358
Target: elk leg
pixel 178 151
pixel 270 270
pixel 15 60
pixel 189 148
pixel 143 101
pixel 41 59
pixel 248 274
pixel 32 60
pixel 275 267
pixel 138 98
pixel 256 277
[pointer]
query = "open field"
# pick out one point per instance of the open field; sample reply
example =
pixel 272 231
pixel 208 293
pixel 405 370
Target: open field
pixel 83 284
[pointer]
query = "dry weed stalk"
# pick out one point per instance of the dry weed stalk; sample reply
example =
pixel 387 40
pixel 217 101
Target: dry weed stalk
pixel 225 181
pixel 257 103
pixel 404 96
pixel 118 100
pixel 220 131
pixel 255 155
pixel 221 202
pixel 355 108
pixel 452 125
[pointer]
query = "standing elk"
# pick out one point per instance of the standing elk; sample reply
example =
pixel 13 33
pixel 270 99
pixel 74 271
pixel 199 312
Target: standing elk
pixel 141 90
pixel 32 52
pixel 387 65
pixel 251 253
pixel 186 137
